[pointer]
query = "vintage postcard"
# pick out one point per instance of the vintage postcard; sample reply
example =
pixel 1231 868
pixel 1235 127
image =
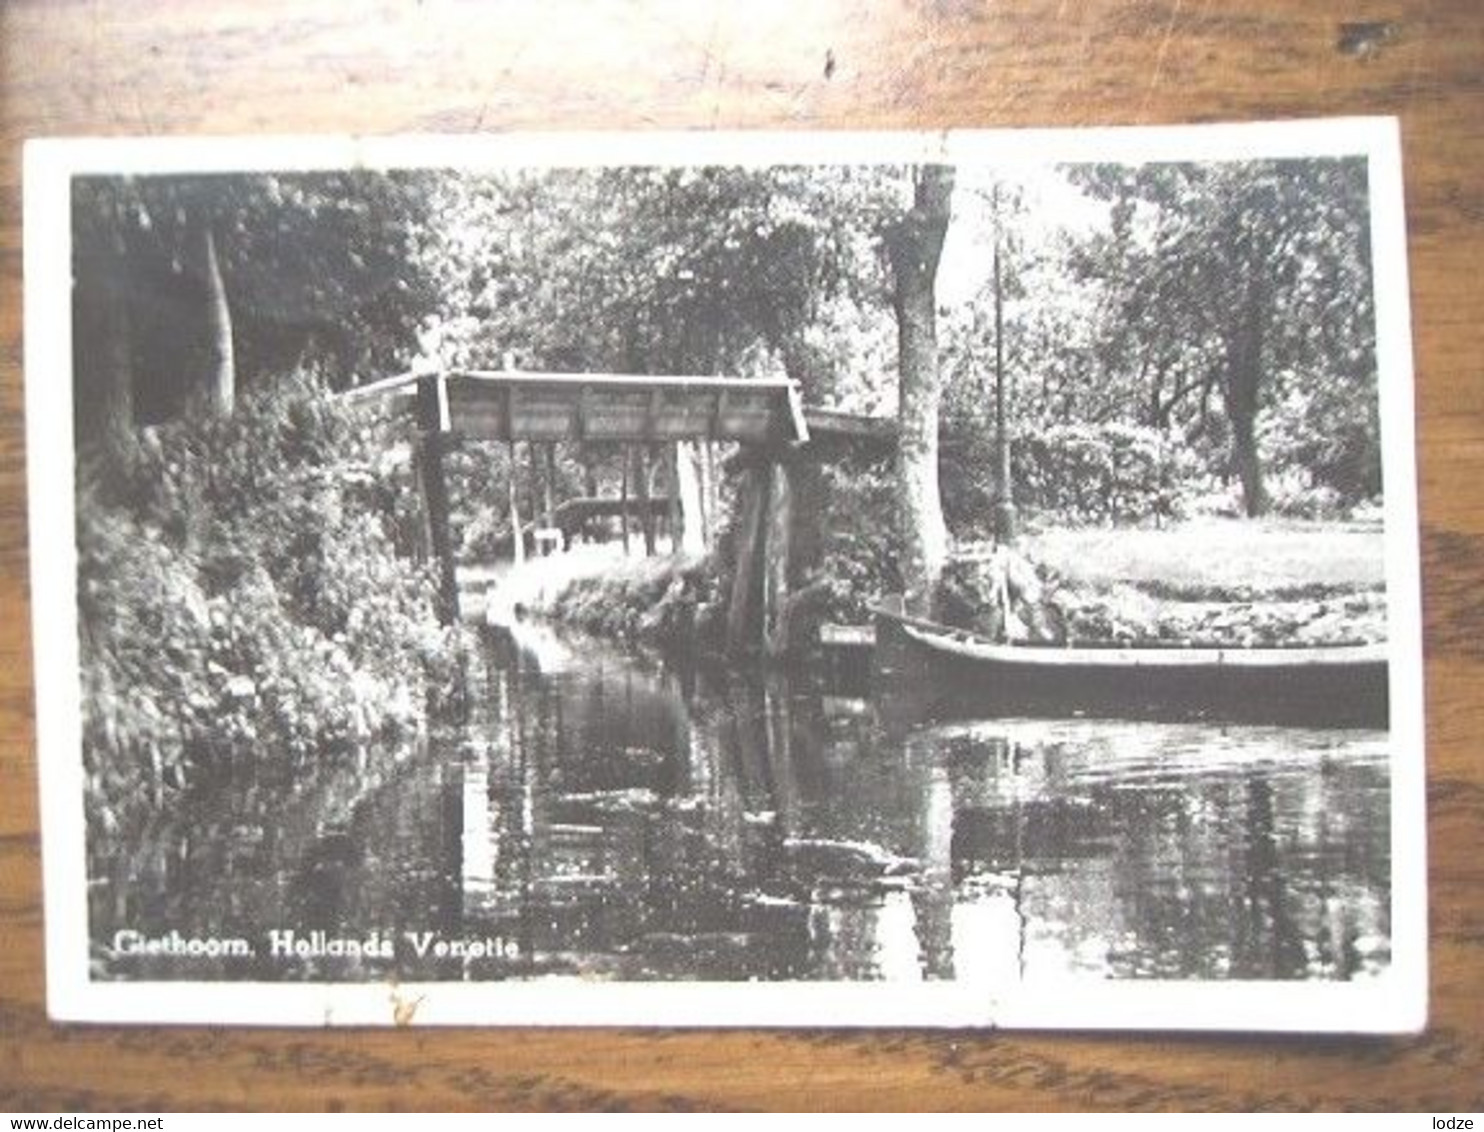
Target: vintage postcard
pixel 959 579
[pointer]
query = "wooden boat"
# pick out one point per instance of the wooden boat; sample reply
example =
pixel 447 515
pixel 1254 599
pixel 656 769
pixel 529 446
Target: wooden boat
pixel 945 672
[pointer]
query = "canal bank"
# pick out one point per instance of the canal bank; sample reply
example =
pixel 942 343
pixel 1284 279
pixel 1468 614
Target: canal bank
pixel 1198 588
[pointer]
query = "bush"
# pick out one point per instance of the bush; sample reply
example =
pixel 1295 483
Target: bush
pixel 1101 473
pixel 651 600
pixel 1295 494
pixel 241 599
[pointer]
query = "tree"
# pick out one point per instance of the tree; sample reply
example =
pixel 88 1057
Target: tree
pixel 221 374
pixel 102 324
pixel 1238 278
pixel 914 244
pixel 190 287
pixel 701 269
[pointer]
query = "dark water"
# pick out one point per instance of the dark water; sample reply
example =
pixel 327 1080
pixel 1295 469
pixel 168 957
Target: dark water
pixel 604 816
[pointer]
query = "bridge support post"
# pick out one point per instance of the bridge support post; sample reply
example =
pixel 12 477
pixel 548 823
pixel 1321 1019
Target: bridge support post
pixel 745 606
pixel 777 548
pixel 777 555
pixel 795 507
pixel 432 429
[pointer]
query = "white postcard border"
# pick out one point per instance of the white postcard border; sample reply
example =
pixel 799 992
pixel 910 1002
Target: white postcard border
pixel 1394 1002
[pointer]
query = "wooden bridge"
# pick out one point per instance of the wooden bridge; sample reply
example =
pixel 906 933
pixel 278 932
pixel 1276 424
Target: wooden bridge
pixel 512 405
pixel 781 444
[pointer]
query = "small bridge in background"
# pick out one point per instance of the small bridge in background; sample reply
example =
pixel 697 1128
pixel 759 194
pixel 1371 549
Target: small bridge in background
pixel 781 443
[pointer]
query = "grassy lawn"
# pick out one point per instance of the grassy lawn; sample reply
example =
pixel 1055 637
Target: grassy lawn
pixel 1211 557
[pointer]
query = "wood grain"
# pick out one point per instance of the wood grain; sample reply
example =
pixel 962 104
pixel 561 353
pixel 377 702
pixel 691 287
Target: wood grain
pixel 235 66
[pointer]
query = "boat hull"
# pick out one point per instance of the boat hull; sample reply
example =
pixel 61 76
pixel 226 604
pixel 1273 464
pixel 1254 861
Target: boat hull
pixel 938 672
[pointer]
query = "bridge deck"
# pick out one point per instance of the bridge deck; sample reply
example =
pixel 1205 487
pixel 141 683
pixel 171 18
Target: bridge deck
pixel 525 405
pixel 626 408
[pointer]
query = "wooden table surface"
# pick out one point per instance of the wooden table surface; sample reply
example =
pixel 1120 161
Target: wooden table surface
pixel 252 66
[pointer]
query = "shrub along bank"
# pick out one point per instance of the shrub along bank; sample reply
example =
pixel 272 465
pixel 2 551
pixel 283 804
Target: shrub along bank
pixel 242 600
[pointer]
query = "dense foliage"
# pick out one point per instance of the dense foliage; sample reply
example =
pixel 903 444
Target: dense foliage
pixel 241 598
pixel 1221 312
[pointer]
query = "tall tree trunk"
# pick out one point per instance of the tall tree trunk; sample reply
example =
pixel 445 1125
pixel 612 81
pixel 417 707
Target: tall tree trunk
pixel 915 245
pixel 118 390
pixel 103 353
pixel 221 376
pixel 431 445
pixel 1248 466
pixel 1241 389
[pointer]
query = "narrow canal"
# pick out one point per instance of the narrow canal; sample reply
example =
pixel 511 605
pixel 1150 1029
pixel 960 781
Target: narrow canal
pixel 603 815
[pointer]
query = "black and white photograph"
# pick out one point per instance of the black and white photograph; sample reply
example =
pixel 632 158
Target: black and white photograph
pixel 889 579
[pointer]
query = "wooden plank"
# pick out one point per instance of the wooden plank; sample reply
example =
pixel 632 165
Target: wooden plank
pixel 537 379
pixel 622 407
pixel 402 383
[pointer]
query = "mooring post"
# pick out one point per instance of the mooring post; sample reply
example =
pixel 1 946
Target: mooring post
pixel 432 440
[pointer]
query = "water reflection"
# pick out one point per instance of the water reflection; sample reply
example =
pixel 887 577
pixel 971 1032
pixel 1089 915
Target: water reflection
pixel 605 816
